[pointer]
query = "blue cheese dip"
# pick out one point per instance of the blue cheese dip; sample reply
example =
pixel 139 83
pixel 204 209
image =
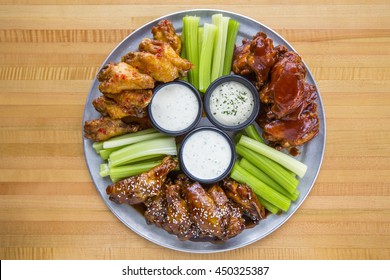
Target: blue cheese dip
pixel 231 103
pixel 206 155
pixel 174 107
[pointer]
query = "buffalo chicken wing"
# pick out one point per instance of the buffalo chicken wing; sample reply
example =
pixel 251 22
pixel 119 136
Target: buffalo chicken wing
pixel 105 128
pixel 116 77
pixel 165 32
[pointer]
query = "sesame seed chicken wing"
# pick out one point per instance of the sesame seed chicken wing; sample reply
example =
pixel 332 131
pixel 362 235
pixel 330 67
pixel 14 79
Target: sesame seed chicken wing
pixel 137 189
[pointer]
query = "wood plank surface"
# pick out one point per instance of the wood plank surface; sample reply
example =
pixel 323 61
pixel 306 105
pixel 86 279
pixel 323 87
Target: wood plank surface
pixel 51 51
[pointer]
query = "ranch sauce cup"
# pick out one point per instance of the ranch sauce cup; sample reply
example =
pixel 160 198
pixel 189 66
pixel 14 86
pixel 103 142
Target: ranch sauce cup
pixel 175 108
pixel 206 155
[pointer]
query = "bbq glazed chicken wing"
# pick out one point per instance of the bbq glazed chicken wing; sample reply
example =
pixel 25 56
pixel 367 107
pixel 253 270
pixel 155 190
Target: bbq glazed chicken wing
pixel 289 131
pixel 179 220
pixel 162 49
pixel 288 113
pixel 231 217
pixel 138 189
pixel 106 128
pixel 116 77
pixel 256 58
pixel 204 211
pixel 286 89
pixel 156 66
pixel 109 108
pixel 244 197
pixel 165 32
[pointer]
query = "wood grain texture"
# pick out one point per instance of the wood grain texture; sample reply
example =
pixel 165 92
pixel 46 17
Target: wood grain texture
pixel 49 54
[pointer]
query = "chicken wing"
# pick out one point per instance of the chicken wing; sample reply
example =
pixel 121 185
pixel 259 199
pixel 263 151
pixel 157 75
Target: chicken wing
pixel 178 218
pixel 109 108
pixel 290 132
pixel 132 98
pixel 160 48
pixel 116 77
pixel 286 88
pixel 243 196
pixel 256 58
pixel 137 189
pixel 106 128
pixel 288 114
pixel 156 66
pixel 165 32
pixel 156 210
pixel 204 211
pixel 231 217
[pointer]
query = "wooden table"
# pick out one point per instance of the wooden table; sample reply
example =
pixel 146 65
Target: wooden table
pixel 49 54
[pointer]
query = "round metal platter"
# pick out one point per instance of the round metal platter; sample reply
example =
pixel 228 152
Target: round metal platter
pixel 311 153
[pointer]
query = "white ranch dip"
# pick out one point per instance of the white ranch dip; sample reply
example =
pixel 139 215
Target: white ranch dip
pixel 206 154
pixel 175 107
pixel 231 103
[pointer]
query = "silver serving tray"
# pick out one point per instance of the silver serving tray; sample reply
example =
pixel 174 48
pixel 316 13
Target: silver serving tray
pixel 311 153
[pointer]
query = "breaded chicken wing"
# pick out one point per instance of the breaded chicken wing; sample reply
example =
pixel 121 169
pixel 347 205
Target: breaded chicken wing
pixel 165 32
pixel 116 77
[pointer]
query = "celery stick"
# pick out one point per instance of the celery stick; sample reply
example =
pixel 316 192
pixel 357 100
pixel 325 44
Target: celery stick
pixel 269 206
pixel 252 132
pixel 119 172
pixel 241 175
pixel 237 137
pixel 104 170
pixel 130 138
pixel 190 32
pixel 131 153
pixel 271 168
pixel 288 162
pixel 105 154
pixel 259 174
pixel 183 53
pixel 200 41
pixel 206 56
pixel 222 24
pixel 97 146
pixel 230 43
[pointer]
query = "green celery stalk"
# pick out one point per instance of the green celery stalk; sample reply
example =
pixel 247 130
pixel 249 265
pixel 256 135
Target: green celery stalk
pixel 277 199
pixel 104 170
pixel 120 172
pixel 132 153
pixel 269 206
pixel 271 168
pixel 252 132
pixel 130 138
pixel 286 161
pixel 230 43
pixel 97 146
pixel 183 53
pixel 190 31
pixel 206 56
pixel 200 41
pixel 259 174
pixel 222 24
